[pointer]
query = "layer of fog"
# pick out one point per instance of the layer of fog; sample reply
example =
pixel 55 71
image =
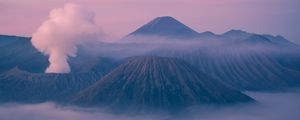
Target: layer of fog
pixel 271 106
pixel 157 45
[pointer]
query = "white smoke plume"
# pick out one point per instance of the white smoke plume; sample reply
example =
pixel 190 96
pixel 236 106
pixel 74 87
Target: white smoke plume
pixel 60 35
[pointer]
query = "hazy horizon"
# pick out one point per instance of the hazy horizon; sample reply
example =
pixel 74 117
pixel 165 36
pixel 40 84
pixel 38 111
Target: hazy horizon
pixel 118 18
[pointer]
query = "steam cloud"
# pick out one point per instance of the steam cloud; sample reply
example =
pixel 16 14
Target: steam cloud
pixel 60 35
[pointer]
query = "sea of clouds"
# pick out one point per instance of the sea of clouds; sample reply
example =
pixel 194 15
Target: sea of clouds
pixel 271 106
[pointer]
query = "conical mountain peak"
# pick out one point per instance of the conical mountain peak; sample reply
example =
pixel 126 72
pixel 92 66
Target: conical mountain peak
pixel 166 26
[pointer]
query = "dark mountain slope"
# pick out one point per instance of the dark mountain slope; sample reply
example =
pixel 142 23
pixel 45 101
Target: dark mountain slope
pixel 155 82
pixel 21 86
pixel 245 67
pixel 18 51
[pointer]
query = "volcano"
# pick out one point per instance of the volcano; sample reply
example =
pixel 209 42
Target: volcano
pixel 165 27
pixel 157 83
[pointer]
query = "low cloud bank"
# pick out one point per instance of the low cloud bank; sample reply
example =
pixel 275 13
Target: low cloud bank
pixel 272 106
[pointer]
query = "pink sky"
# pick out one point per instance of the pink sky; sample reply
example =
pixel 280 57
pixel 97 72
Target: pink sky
pixel 119 17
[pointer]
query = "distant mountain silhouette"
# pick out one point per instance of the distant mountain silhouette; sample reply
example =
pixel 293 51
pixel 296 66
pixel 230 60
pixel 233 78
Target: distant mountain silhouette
pixel 169 28
pixel 166 27
pixel 254 38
